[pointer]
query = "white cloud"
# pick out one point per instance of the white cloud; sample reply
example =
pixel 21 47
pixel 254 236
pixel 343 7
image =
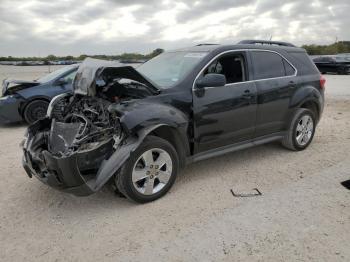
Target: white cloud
pixel 35 27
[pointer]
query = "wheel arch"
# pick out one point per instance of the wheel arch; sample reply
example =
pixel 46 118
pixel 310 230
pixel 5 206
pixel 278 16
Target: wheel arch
pixel 161 120
pixel 173 136
pixel 119 157
pixel 308 97
pixel 313 106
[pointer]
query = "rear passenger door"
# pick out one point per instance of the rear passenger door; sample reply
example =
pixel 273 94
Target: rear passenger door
pixel 275 82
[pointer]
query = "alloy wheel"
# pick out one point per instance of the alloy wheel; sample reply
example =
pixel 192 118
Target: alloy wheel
pixel 152 171
pixel 304 130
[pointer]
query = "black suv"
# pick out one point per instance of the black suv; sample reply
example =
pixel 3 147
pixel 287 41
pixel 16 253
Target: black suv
pixel 137 127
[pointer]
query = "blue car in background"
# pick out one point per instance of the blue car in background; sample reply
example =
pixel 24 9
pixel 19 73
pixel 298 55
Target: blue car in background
pixel 28 100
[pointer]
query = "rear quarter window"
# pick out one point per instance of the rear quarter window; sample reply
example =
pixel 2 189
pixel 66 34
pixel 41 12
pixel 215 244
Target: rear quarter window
pixel 270 65
pixel 288 68
pixel 303 63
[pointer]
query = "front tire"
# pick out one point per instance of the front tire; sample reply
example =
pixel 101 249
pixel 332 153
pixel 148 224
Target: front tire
pixel 341 71
pixel 150 171
pixel 301 130
pixel 35 110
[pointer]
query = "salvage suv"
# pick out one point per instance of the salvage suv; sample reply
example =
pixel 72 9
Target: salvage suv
pixel 136 128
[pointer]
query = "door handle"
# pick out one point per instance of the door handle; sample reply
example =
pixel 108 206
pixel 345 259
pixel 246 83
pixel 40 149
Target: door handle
pixel 291 84
pixel 247 94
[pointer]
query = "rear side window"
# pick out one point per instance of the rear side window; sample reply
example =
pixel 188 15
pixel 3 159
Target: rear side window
pixel 270 65
pixel 288 68
pixel 303 63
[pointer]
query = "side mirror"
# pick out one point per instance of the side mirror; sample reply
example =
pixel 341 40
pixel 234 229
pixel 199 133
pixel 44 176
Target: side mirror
pixel 211 80
pixel 61 82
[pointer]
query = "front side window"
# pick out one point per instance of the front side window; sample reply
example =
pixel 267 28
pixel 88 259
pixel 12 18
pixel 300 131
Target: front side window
pixel 270 65
pixel 232 66
pixel 167 69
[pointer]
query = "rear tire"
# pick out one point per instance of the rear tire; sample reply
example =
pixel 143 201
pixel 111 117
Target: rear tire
pixel 301 130
pixel 150 171
pixel 35 110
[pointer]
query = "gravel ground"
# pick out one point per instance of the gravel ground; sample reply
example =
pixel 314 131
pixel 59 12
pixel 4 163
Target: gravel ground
pixel 303 214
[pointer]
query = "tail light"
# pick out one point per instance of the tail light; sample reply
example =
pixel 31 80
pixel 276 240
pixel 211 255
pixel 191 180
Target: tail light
pixel 323 82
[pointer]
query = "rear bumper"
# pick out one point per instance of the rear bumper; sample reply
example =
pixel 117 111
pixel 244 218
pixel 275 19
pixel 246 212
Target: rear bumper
pixel 9 109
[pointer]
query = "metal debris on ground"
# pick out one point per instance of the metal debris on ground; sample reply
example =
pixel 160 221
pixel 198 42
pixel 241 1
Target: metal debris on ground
pixel 258 193
pixel 346 184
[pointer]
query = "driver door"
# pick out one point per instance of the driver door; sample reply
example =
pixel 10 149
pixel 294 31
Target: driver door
pixel 225 115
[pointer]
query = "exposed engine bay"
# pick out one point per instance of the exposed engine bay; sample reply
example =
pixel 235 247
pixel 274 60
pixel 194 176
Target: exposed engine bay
pixel 81 125
pixel 82 122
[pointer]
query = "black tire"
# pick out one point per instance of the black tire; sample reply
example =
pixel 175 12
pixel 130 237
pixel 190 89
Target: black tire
pixel 341 71
pixel 123 178
pixel 290 139
pixel 35 110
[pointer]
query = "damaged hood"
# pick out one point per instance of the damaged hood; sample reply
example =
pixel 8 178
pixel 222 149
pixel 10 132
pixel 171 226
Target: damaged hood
pixel 10 83
pixel 91 70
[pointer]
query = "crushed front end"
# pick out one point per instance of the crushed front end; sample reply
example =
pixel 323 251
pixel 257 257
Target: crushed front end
pixel 81 144
pixel 67 150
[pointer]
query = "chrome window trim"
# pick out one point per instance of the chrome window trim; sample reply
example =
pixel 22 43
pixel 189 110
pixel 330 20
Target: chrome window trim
pixel 249 81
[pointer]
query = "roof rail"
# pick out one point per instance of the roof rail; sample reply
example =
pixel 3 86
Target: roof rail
pixel 265 42
pixel 205 44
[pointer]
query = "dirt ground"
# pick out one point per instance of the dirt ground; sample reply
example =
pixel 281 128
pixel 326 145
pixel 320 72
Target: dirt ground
pixel 302 215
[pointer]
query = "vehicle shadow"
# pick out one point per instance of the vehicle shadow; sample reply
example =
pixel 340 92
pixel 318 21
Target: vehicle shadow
pixel 107 199
pixel 235 159
pixel 13 125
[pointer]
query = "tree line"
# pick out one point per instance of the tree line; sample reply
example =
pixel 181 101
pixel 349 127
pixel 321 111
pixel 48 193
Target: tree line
pixel 335 48
pixel 125 56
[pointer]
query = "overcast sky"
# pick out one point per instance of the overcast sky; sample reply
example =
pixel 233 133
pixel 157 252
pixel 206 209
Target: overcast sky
pixel 62 27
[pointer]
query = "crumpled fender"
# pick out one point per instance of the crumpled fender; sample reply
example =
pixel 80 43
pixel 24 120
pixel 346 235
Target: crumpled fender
pixel 140 114
pixel 138 119
pixel 118 158
pixel 8 83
